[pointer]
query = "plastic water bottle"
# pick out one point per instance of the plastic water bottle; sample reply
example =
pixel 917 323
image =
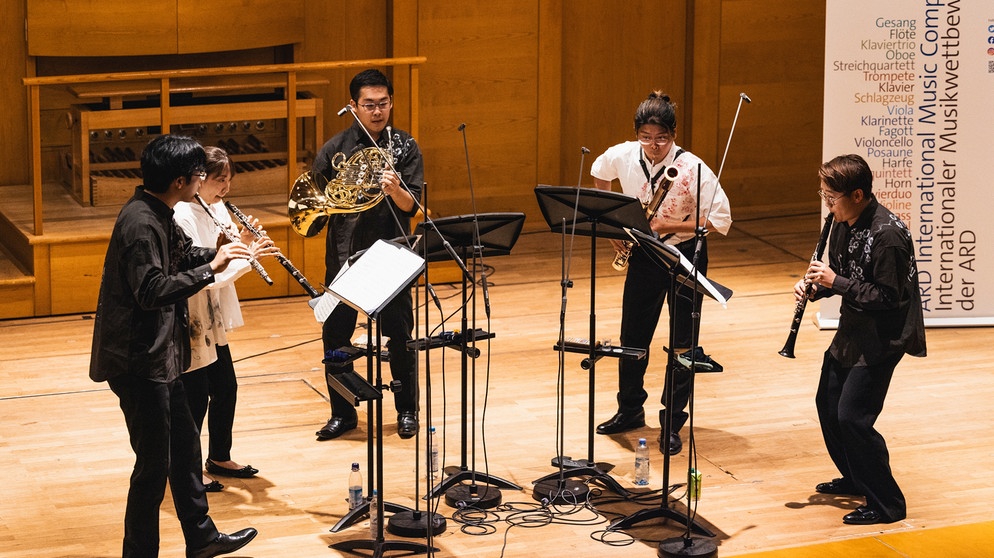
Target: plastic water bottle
pixel 433 452
pixel 642 464
pixel 374 515
pixel 355 487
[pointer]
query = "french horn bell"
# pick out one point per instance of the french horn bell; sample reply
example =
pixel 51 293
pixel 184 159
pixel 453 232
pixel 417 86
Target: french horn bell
pixel 355 188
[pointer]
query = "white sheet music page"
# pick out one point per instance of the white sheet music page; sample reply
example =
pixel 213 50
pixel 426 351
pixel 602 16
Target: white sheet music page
pixel 377 276
pixel 324 304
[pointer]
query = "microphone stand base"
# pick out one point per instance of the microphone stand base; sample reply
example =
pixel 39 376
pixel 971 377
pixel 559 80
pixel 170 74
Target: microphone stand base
pixel 480 496
pixel 570 463
pixel 681 546
pixel 561 492
pixel 416 524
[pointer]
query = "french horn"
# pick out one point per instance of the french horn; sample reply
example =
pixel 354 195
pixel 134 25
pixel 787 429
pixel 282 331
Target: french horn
pixel 354 189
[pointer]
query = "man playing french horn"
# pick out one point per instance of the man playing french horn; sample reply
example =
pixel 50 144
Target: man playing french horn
pixel 643 169
pixel 350 232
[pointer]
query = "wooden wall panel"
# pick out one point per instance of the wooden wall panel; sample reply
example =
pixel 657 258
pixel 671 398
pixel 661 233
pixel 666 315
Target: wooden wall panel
pixel 101 28
pixel 15 155
pixel 614 54
pixel 123 28
pixel 482 70
pixel 339 31
pixel 773 50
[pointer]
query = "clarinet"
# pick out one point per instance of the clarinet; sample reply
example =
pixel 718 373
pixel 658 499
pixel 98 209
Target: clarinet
pixel 795 324
pixel 294 272
pixel 231 236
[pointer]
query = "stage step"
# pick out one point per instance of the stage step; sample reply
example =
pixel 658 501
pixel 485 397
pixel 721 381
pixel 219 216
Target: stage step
pixel 16 289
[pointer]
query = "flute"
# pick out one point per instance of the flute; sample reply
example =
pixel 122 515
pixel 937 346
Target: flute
pixel 294 272
pixel 233 238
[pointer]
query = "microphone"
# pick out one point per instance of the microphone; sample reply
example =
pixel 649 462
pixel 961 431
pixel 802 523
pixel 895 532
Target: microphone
pixel 745 97
pixel 462 127
pixel 347 108
pixel 434 297
pixel 584 150
pixel 486 293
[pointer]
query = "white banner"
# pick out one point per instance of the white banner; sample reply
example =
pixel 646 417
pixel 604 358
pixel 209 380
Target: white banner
pixel 909 86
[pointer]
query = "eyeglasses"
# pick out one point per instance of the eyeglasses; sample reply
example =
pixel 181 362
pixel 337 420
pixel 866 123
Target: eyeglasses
pixel 370 107
pixel 830 200
pixel 199 173
pixel 658 141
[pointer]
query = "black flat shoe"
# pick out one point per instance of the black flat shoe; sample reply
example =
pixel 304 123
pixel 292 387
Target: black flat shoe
pixel 621 422
pixel 837 486
pixel 213 486
pixel 864 516
pixel 245 472
pixel 336 427
pixel 407 424
pixel 224 544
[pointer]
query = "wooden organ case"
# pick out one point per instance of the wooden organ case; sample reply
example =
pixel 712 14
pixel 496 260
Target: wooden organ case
pixel 244 115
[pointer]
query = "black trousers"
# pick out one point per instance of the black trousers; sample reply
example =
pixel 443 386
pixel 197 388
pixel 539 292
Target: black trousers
pixel 166 443
pixel 849 400
pixel 214 388
pixel 396 321
pixel 647 285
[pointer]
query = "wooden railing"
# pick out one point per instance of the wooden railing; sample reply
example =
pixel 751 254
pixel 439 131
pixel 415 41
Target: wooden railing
pixel 289 71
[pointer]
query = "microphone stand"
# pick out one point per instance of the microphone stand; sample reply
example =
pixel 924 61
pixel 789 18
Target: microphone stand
pixel 485 495
pixel 561 490
pixel 687 545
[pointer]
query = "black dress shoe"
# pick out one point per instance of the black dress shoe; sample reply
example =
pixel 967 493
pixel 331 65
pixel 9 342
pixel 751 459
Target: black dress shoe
pixel 407 424
pixel 622 422
pixel 837 486
pixel 336 427
pixel 243 473
pixel 674 443
pixel 864 516
pixel 224 544
pixel 213 486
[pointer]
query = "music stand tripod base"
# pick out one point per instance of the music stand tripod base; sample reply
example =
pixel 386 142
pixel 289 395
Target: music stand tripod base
pixel 416 524
pixel 380 546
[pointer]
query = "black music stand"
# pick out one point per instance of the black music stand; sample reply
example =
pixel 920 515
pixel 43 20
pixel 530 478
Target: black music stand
pixel 371 283
pixel 684 274
pixel 594 213
pixel 498 232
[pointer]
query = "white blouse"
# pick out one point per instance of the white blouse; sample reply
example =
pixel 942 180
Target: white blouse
pixel 215 309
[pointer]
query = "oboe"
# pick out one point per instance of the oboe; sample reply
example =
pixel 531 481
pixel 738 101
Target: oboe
pixel 788 347
pixel 294 272
pixel 232 237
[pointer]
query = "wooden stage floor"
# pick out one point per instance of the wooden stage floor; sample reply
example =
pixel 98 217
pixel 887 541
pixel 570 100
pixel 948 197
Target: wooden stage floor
pixel 65 456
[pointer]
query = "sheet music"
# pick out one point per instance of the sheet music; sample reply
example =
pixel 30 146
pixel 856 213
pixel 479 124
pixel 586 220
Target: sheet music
pixel 326 303
pixel 679 261
pixel 709 286
pixel 377 276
